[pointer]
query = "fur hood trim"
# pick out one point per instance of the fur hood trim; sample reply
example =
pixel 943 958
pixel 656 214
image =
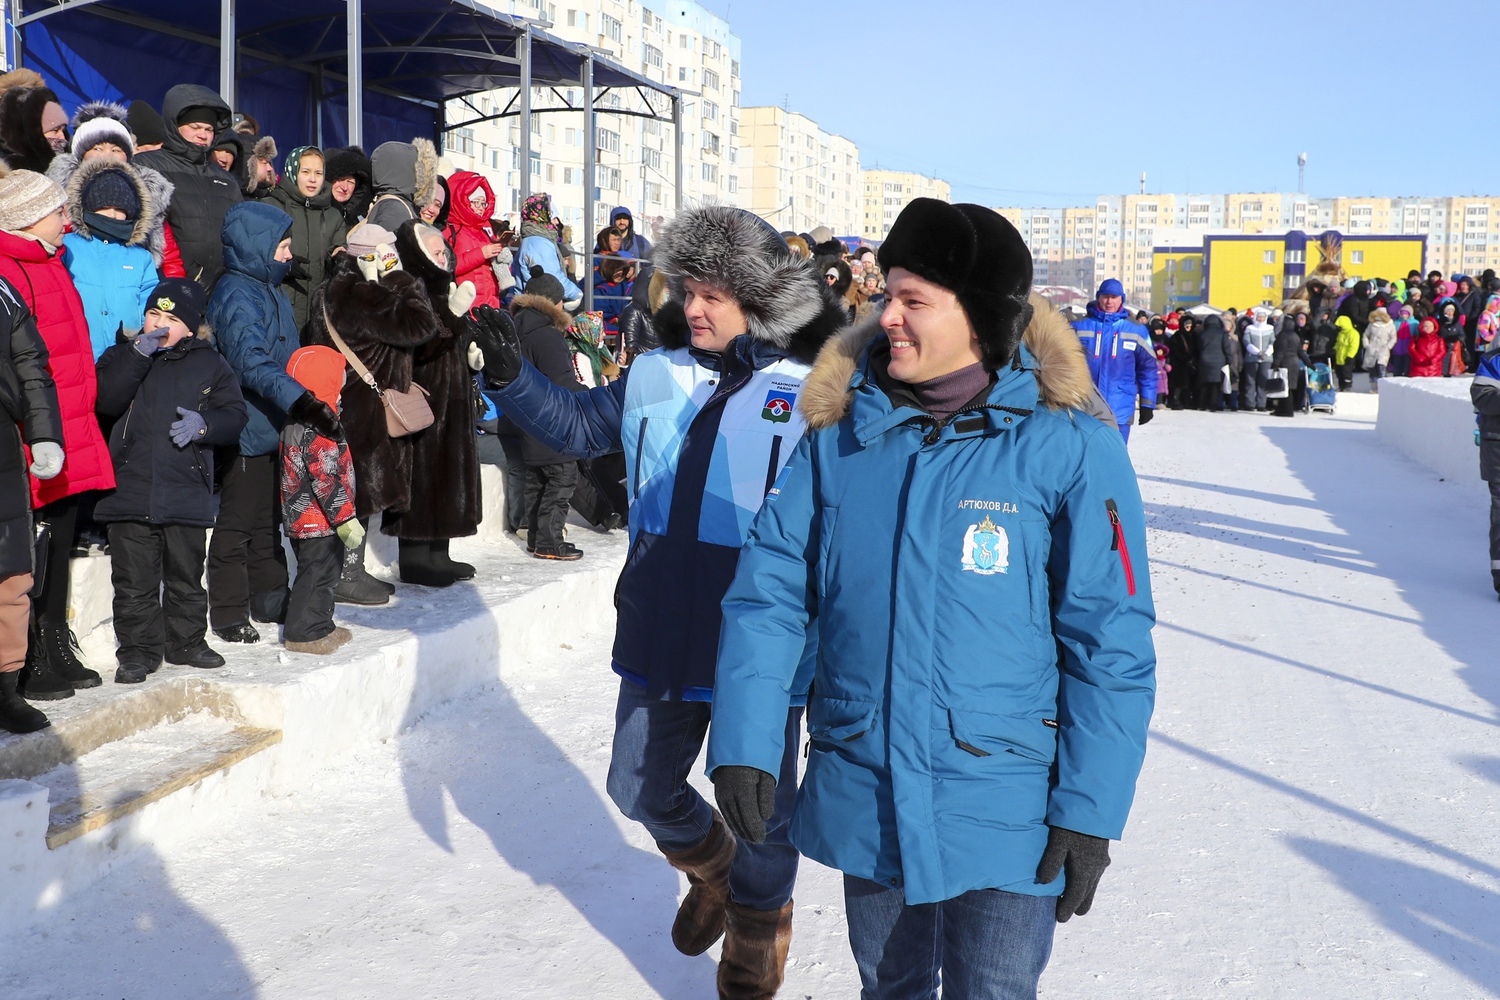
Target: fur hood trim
pixel 545 306
pixel 86 172
pixel 779 293
pixel 1061 370
pixel 427 171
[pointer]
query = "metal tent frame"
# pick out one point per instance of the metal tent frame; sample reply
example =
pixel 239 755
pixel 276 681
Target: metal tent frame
pixel 400 63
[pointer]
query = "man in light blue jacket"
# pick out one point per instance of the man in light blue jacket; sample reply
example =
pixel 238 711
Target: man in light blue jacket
pixel 960 531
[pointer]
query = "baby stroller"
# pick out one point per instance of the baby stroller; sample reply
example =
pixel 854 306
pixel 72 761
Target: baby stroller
pixel 1322 391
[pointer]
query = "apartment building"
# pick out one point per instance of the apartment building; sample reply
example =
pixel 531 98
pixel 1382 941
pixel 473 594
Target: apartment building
pixel 797 175
pixel 680 43
pixel 887 192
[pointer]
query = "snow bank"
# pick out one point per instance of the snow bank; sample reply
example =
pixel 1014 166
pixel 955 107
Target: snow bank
pixel 1431 421
pixel 425 648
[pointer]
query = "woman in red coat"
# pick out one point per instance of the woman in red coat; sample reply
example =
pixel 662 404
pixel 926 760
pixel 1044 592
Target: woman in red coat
pixel 32 221
pixel 1427 350
pixel 471 237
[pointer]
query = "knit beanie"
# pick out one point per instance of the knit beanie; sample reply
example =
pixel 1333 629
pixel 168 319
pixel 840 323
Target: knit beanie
pixel 112 189
pixel 145 124
pixel 90 132
pixel 545 285
pixel 26 197
pixel 977 254
pixel 200 115
pixel 319 370
pixel 182 297
pixel 365 237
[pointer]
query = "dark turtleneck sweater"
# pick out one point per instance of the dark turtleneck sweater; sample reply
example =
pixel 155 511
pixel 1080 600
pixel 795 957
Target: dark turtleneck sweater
pixel 941 397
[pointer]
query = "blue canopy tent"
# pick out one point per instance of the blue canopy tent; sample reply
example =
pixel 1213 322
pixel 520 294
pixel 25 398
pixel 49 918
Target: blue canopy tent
pixel 325 72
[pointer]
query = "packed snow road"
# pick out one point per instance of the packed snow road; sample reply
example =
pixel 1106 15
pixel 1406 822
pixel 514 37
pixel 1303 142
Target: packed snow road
pixel 1319 814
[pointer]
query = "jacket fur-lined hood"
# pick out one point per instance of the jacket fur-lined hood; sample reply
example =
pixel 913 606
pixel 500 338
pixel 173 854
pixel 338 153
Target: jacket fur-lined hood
pixel 545 306
pixel 782 296
pixel 87 171
pixel 1061 370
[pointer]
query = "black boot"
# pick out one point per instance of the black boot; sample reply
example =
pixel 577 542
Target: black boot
pixel 442 561
pixel 62 651
pixel 417 566
pixel 15 715
pixel 40 679
pixel 356 586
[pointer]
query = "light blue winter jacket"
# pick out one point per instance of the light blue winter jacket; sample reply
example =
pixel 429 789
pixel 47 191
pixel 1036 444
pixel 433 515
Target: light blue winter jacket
pixel 542 250
pixel 114 281
pixel 985 667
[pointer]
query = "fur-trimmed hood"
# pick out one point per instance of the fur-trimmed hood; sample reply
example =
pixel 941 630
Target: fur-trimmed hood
pixel 545 306
pixel 409 169
pixel 782 296
pixel 87 171
pixel 64 165
pixel 1061 370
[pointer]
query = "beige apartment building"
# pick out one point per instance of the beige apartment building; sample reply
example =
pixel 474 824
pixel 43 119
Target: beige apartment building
pixel 887 192
pixel 676 42
pixel 796 175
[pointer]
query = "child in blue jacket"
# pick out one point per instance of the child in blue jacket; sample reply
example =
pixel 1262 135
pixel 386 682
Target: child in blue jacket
pixel 106 253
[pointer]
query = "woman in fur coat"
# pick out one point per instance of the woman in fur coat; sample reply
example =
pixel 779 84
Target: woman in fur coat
pixel 445 499
pixel 383 322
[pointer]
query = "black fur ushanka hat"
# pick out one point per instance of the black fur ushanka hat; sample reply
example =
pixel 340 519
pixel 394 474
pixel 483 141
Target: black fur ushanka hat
pixel 979 256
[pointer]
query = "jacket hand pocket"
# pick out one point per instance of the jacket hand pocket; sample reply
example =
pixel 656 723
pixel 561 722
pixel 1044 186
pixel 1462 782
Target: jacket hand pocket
pixel 838 723
pixel 981 734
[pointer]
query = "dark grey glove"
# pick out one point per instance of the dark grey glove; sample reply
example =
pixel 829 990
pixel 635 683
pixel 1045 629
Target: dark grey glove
pixel 312 411
pixel 747 797
pixel 495 334
pixel 1083 858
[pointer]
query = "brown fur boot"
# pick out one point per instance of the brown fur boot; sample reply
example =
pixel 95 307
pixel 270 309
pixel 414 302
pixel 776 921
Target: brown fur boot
pixel 700 918
pixel 754 957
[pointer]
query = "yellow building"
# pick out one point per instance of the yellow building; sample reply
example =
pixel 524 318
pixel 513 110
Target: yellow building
pixel 887 192
pixel 1176 278
pixel 1250 270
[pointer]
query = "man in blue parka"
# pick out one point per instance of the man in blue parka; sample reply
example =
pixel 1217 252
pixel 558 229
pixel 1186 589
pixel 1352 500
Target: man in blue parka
pixel 706 422
pixel 256 332
pixel 970 545
pixel 1122 361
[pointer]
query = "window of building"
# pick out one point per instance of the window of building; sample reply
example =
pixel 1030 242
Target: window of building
pixel 710 173
pixel 682 74
pixel 609 178
pixel 1188 265
pixel 1269 257
pixel 607 140
pixel 710 111
pixel 1356 256
pixel 710 143
pixel 610 27
pixel 461 140
pixel 734 184
pixel 651 158
pixel 653 56
pixel 1268 281
pixel 1295 256
pixel 710 80
pixel 536 164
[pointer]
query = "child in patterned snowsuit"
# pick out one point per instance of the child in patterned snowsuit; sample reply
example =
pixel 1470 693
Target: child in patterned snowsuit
pixel 317 500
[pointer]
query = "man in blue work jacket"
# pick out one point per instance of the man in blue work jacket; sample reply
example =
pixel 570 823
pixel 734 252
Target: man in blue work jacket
pixel 1122 361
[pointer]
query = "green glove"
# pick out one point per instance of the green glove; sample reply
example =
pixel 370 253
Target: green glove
pixel 351 533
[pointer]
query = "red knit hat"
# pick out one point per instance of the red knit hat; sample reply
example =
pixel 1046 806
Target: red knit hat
pixel 320 370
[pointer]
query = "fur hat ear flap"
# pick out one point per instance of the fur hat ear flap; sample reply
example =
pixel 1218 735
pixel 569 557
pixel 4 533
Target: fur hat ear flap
pixel 975 253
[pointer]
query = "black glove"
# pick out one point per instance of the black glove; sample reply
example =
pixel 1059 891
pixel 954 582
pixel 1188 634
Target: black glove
pixel 495 333
pixel 1147 413
pixel 1084 858
pixel 312 411
pixel 298 271
pixel 747 797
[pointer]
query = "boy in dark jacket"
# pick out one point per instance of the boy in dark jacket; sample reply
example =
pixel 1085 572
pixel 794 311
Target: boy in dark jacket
pixel 173 400
pixel 317 504
pixel 550 477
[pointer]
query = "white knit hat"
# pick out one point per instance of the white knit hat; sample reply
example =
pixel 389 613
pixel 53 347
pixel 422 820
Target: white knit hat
pixel 102 129
pixel 27 197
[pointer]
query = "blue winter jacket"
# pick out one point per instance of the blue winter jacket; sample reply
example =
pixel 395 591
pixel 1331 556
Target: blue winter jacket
pixel 1122 361
pixel 985 667
pixel 253 322
pixel 543 250
pixel 113 280
pixel 704 438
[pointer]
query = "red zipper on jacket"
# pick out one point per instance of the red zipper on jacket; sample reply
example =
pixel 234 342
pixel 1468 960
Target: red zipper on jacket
pixel 1118 545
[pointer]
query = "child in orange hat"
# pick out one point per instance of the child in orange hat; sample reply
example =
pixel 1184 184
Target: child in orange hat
pixel 317 500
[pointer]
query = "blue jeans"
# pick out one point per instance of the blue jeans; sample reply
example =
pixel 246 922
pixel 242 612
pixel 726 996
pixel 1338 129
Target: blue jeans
pixel 987 944
pixel 656 744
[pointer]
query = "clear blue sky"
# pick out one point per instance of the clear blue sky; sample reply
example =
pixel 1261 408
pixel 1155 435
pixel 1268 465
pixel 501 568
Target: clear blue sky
pixel 1050 102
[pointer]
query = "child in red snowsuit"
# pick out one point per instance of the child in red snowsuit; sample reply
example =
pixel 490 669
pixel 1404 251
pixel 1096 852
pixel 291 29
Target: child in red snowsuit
pixel 317 501
pixel 1427 350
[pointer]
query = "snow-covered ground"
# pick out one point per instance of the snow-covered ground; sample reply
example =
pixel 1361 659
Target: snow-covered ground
pixel 1319 815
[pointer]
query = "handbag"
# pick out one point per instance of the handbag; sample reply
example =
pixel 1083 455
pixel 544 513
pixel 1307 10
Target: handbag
pixel 405 412
pixel 1277 384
